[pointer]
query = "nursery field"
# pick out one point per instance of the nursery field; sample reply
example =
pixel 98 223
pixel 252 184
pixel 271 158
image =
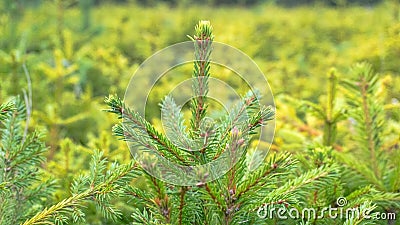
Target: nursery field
pixel 332 133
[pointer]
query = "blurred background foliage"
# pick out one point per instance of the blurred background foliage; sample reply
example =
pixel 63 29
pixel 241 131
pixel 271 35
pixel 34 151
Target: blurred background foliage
pixel 79 51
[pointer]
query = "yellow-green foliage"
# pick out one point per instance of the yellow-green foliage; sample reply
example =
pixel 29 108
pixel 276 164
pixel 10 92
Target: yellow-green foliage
pixel 71 69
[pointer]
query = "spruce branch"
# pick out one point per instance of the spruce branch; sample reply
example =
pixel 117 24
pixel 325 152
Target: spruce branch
pixel 387 200
pixel 360 217
pixel 238 117
pixel 246 117
pixel 368 112
pixel 202 39
pixel 5 109
pixel 277 165
pixel 136 130
pixel 298 188
pixel 174 124
pixel 138 196
pixel 21 156
pixel 181 203
pixel 143 217
pixel 360 170
pixel 44 217
pixel 100 186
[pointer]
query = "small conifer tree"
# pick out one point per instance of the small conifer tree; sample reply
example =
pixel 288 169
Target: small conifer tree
pixel 239 196
pixel 233 198
pixel 368 161
pixel 23 190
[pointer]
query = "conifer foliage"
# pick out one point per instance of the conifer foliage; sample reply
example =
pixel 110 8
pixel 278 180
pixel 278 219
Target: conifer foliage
pixel 377 168
pixel 239 195
pixel 233 198
pixel 22 189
